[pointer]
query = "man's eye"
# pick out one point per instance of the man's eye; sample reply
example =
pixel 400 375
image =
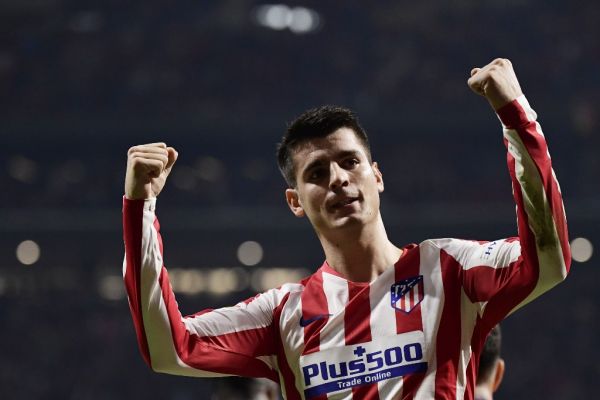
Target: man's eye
pixel 315 174
pixel 351 163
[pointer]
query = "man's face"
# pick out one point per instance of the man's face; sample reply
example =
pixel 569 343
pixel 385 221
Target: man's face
pixel 336 186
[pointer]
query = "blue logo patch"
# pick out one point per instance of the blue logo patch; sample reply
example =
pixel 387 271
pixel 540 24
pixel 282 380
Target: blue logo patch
pixel 343 368
pixel 407 294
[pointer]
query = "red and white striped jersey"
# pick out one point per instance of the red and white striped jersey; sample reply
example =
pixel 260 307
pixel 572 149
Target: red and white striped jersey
pixel 415 332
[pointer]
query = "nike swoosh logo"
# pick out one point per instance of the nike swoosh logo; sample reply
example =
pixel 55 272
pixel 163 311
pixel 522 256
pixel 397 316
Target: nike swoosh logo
pixel 306 322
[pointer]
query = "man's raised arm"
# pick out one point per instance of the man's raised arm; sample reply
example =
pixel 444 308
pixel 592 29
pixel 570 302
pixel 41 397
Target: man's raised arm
pixel 542 223
pixel 229 341
pixel 503 275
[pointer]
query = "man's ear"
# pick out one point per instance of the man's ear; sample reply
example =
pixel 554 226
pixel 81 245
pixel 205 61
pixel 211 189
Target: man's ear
pixel 378 176
pixel 291 196
pixel 498 374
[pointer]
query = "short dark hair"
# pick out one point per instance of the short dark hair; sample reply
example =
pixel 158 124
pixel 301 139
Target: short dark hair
pixel 315 123
pixel 489 354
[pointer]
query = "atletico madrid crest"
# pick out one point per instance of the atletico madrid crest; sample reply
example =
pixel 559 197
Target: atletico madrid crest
pixel 407 294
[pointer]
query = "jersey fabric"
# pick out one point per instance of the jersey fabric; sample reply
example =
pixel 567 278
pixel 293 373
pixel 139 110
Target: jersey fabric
pixel 415 332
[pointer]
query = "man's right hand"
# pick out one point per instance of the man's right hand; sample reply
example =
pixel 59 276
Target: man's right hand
pixel 148 166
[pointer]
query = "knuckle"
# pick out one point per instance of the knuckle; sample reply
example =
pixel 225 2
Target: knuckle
pixel 136 164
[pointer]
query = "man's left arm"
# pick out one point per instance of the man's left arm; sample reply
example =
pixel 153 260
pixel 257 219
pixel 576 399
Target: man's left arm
pixel 541 219
pixel 504 275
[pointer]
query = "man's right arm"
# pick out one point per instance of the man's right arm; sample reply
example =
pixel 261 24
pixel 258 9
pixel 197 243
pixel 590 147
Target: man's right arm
pixel 229 341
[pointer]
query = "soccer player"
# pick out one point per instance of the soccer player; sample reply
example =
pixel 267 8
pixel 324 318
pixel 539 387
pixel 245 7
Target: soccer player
pixel 491 366
pixel 375 321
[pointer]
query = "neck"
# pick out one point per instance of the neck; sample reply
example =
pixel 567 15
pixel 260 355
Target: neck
pixel 360 255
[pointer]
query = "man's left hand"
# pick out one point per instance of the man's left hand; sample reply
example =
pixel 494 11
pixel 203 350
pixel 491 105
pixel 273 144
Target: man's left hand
pixel 496 81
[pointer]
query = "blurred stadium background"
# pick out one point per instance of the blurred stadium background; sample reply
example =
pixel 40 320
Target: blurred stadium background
pixel 82 81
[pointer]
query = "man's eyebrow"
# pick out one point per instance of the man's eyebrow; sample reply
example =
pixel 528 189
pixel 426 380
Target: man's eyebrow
pixel 348 153
pixel 316 163
pixel 321 160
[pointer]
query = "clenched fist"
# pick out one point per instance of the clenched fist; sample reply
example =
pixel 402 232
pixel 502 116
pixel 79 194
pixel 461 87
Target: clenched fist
pixel 497 82
pixel 148 166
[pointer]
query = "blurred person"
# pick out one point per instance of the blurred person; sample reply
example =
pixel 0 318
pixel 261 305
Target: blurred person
pixel 375 321
pixel 235 388
pixel 491 366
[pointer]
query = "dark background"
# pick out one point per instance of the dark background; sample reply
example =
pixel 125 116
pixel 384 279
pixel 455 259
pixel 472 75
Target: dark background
pixel 82 81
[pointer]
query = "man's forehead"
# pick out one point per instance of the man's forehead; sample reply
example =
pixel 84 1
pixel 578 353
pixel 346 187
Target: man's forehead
pixel 343 140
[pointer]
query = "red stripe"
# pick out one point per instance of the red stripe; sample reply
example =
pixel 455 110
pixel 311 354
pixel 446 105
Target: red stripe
pixel 409 266
pixel 526 269
pixel 357 314
pixel 314 303
pixel 357 329
pixel 259 340
pixel 368 392
pixel 482 283
pixel 449 333
pixel 538 150
pixel 159 237
pixel 206 353
pixel 480 333
pixel 133 212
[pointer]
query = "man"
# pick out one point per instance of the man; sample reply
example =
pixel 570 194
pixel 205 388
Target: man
pixel 236 388
pixel 375 321
pixel 491 366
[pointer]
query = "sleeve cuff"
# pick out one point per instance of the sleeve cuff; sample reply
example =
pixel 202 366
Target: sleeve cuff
pixel 146 204
pixel 516 113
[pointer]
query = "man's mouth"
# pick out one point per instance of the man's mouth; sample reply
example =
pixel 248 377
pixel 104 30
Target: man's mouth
pixel 343 203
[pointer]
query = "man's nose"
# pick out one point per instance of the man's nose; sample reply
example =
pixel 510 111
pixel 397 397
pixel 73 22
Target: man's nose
pixel 338 176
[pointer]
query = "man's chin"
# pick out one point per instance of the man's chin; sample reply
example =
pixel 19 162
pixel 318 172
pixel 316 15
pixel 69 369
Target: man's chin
pixel 348 221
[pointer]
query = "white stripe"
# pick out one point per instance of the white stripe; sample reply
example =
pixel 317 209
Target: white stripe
pixel 163 355
pixel 416 294
pixel 333 333
pixel 471 254
pixel 336 293
pixel 468 318
pixel 292 335
pixel 529 112
pixel 383 323
pixel 242 316
pixel 431 312
pixel 382 312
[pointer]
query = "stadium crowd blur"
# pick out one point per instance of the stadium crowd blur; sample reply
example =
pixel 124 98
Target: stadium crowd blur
pixel 81 81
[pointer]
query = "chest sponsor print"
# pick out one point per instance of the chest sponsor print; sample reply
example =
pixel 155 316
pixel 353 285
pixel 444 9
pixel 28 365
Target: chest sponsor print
pixel 346 367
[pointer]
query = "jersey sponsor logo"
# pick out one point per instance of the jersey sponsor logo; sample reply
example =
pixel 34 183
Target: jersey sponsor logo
pixel 407 294
pixel 305 322
pixel 488 250
pixel 342 368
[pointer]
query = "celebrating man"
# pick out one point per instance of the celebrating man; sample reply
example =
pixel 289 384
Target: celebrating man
pixel 376 320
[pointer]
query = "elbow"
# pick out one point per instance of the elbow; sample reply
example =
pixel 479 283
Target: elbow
pixel 162 367
pixel 153 365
